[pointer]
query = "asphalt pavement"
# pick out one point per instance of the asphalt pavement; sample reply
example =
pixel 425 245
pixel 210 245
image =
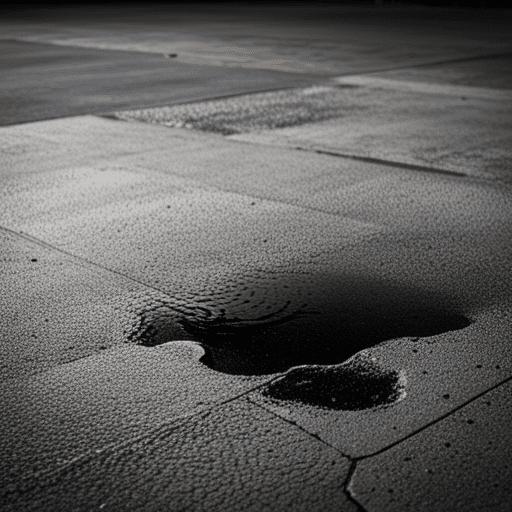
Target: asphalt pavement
pixel 256 259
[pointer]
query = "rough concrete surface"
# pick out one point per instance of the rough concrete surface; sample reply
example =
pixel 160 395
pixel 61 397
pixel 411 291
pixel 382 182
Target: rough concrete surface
pixel 234 457
pixel 437 129
pixel 57 310
pixel 84 406
pixel 279 300
pixel 475 440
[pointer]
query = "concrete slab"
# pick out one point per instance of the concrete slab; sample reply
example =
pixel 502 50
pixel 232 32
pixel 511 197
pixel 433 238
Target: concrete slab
pixel 204 158
pixel 461 463
pixel 56 309
pixel 85 140
pixel 390 81
pixel 326 38
pixel 246 113
pixel 422 221
pixel 41 81
pixel 492 72
pixel 443 127
pixel 83 407
pixel 463 133
pixel 132 214
pixel 263 257
pixel 437 375
pixel 234 457
pixel 224 255
pixel 69 383
pixel 416 224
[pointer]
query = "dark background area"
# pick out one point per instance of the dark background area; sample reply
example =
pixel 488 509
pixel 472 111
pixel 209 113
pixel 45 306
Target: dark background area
pixel 472 4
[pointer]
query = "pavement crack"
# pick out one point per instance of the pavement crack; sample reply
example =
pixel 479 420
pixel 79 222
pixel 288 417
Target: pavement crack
pixel 346 487
pixel 295 424
pixel 46 477
pixel 434 422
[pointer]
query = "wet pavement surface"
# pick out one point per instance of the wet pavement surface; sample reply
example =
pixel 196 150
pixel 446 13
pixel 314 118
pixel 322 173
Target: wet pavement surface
pixel 43 81
pixel 287 300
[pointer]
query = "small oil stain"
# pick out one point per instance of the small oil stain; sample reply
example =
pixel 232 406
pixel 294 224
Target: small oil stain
pixel 357 384
pixel 347 86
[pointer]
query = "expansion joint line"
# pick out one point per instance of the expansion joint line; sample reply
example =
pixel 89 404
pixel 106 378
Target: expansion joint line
pixel 387 163
pixel 408 167
pixel 437 420
pixel 46 245
pixel 431 63
pixel 295 424
pixel 352 461
pixel 355 460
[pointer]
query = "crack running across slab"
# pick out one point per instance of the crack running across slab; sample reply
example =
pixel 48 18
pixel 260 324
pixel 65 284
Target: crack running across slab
pixel 352 460
pixel 355 460
pixel 294 423
pixel 387 163
pixel 434 422
pixel 346 487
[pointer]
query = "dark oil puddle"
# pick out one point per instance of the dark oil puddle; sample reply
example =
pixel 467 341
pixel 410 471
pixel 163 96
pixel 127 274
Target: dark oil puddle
pixel 272 323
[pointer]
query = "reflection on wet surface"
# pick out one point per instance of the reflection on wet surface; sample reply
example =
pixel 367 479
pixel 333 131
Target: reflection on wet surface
pixel 272 323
